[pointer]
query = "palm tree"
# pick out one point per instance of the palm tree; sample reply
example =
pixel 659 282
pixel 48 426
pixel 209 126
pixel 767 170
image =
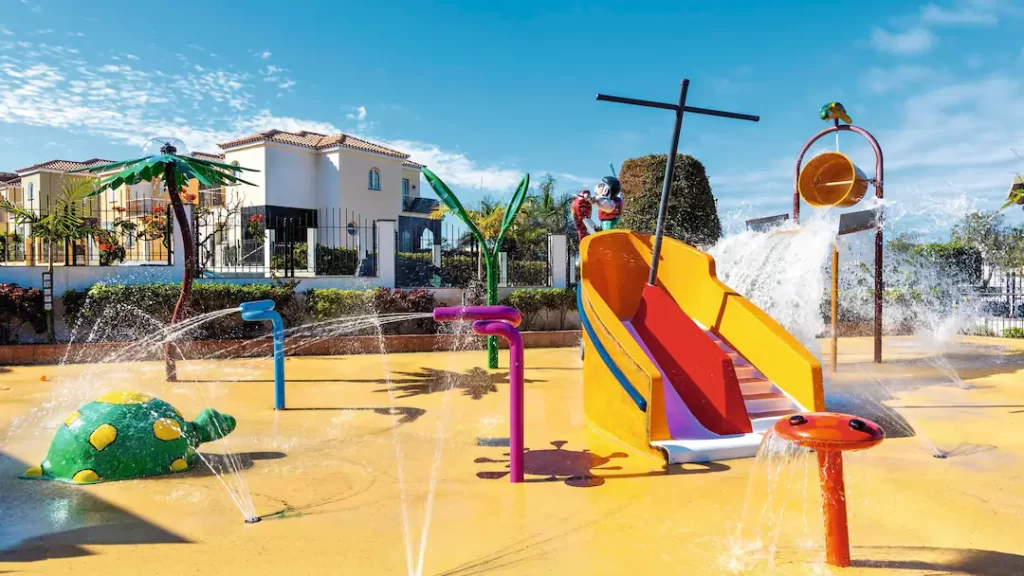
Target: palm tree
pixel 62 224
pixel 176 171
pixel 496 221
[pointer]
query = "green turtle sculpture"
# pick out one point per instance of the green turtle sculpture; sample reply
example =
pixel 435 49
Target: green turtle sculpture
pixel 127 435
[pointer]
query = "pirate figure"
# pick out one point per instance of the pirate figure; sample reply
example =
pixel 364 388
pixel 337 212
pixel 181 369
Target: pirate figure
pixel 608 201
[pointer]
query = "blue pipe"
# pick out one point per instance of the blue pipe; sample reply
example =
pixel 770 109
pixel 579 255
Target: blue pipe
pixel 259 311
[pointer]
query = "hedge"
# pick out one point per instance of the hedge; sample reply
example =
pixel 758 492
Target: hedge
pixel 20 306
pixel 116 312
pixel 329 303
pixel 692 215
pixel 531 302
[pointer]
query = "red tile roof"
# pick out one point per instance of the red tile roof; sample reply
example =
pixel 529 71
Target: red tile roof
pixel 208 156
pixel 314 141
pixel 411 164
pixel 9 178
pixel 66 165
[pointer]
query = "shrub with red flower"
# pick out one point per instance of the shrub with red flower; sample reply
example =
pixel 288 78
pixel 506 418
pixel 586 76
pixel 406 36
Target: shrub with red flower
pixel 255 228
pixel 19 306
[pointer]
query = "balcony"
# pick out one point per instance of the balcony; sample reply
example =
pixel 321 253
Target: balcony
pixel 418 205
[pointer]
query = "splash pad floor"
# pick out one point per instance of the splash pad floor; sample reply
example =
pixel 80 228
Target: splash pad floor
pixel 325 475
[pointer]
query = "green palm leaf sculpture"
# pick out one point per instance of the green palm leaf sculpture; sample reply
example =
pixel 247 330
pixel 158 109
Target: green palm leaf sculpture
pixel 176 171
pixel 490 252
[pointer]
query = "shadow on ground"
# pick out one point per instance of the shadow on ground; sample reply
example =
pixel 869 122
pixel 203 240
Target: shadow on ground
pixel 941 560
pixel 476 383
pixel 576 467
pixel 408 414
pixel 44 520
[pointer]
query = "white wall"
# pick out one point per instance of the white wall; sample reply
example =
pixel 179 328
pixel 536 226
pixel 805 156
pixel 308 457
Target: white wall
pixel 354 192
pixel 413 176
pixel 328 179
pixel 254 158
pixel 291 176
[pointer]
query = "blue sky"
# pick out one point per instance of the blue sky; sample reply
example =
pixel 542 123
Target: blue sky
pixel 484 91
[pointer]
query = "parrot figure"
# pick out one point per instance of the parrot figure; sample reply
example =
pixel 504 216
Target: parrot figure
pixel 834 111
pixel 581 211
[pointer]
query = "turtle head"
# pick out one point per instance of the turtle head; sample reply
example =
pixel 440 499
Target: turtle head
pixel 212 425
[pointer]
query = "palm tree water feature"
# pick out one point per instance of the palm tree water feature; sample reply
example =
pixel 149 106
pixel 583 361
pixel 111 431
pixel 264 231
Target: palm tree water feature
pixel 500 321
pixel 490 249
pixel 176 167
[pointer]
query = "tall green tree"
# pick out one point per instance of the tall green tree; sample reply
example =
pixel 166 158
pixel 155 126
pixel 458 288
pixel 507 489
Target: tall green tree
pixel 692 214
pixel 490 245
pixel 63 223
pixel 176 171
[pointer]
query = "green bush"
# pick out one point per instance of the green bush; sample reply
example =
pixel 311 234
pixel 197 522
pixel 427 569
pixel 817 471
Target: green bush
pixel 327 303
pixel 117 312
pixel 20 306
pixel 529 302
pixel 1013 332
pixel 336 261
pixel 527 273
pixel 561 301
pixel 692 215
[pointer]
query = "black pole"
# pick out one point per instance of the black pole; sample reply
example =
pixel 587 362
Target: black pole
pixel 663 207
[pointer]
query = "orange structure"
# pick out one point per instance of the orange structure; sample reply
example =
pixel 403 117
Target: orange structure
pixel 830 434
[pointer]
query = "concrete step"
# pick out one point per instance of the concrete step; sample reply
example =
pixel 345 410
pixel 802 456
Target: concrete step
pixel 747 371
pixel 753 386
pixel 766 402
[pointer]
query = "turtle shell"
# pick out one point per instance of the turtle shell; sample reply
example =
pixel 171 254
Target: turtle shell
pixel 119 436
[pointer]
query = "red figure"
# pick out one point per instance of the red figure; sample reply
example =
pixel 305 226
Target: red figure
pixel 581 211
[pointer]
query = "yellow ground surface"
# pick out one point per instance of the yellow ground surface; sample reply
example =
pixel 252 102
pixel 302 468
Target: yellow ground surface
pixel 348 485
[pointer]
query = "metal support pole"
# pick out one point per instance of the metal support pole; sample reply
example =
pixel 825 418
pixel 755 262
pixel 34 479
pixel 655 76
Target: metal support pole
pixel 679 109
pixel 663 207
pixel 835 305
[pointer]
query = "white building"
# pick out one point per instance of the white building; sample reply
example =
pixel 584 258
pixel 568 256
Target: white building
pixel 308 176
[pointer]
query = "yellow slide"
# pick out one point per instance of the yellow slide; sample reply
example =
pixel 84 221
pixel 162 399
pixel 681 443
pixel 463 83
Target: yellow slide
pixel 687 370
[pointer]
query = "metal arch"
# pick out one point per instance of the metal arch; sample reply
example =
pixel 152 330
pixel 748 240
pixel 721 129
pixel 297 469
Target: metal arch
pixel 878 183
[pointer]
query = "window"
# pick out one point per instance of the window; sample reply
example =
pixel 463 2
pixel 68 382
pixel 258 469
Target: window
pixel 113 195
pixel 374 177
pixel 405 186
pixel 31 191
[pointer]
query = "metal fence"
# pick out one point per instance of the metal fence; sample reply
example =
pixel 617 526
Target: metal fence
pixel 103 234
pixel 452 259
pixel 284 242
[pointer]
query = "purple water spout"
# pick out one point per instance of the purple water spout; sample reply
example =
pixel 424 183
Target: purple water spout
pixel 500 321
pixel 506 314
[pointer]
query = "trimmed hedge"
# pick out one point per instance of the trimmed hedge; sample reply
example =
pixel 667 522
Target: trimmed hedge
pixel 115 312
pixel 328 303
pixel 20 306
pixel 692 215
pixel 532 301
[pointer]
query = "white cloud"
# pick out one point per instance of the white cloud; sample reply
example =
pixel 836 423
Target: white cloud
pixel 899 78
pixel 912 41
pixel 457 170
pixel 265 54
pixel 973 13
pixel 131 57
pixel 286 84
pixel 360 114
pixel 4 31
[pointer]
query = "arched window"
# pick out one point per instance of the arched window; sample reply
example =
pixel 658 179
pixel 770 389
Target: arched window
pixel 31 191
pixel 374 179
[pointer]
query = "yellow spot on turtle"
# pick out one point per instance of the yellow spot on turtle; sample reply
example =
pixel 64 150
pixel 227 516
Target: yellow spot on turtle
pixel 34 472
pixel 167 429
pixel 179 465
pixel 125 398
pixel 103 436
pixel 85 477
pixel 71 418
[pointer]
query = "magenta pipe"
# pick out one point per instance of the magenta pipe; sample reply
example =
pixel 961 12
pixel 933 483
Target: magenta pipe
pixel 473 313
pixel 515 378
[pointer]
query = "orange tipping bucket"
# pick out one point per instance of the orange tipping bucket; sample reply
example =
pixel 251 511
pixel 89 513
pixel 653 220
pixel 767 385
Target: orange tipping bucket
pixel 831 179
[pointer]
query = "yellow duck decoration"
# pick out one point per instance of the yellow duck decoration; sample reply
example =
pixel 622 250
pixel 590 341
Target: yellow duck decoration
pixel 834 111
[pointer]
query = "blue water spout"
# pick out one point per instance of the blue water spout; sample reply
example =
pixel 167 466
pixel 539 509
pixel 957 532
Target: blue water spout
pixel 260 311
